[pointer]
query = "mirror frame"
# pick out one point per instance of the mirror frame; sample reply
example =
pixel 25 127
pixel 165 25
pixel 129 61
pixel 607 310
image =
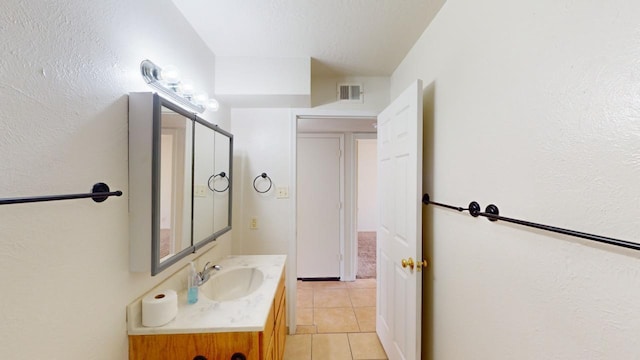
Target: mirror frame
pixel 145 131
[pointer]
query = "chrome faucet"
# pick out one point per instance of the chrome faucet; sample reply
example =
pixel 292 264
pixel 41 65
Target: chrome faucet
pixel 205 274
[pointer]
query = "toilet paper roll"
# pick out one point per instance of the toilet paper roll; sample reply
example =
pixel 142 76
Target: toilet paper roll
pixel 158 308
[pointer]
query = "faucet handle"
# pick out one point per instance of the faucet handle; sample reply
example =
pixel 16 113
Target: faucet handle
pixel 215 267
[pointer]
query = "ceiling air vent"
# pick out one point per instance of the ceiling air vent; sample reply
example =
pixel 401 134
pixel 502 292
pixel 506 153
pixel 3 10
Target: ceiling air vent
pixel 350 93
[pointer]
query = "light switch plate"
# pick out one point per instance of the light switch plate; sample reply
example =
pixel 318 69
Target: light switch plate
pixel 200 191
pixel 282 192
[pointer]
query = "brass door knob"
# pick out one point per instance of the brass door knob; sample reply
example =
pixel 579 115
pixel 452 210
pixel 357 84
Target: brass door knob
pixel 408 262
pixel 422 264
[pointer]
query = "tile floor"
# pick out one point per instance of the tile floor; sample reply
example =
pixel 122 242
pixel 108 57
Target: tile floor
pixel 335 320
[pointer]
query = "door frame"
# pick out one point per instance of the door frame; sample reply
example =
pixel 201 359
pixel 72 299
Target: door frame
pixel 291 274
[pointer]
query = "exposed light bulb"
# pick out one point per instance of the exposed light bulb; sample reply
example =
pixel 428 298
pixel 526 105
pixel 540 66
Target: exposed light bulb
pixel 213 105
pixel 170 74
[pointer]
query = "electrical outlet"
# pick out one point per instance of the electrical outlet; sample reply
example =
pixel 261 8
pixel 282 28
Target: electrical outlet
pixel 253 224
pixel 282 192
pixel 200 191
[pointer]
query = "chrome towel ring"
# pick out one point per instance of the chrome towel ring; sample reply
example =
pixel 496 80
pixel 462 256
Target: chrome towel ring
pixel 212 182
pixel 264 176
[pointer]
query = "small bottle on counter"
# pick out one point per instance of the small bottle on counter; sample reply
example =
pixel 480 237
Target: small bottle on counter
pixel 192 283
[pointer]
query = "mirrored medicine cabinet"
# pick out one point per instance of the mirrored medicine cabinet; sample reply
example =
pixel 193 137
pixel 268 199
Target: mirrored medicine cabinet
pixel 180 171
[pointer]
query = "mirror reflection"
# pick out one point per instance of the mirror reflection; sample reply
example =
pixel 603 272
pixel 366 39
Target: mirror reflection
pixel 211 169
pixel 203 169
pixel 222 183
pixel 176 151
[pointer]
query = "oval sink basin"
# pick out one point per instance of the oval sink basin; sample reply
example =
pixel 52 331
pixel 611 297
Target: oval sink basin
pixel 232 284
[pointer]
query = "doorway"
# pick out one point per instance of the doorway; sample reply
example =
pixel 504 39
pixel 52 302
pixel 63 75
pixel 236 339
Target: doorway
pixel 366 204
pixel 350 129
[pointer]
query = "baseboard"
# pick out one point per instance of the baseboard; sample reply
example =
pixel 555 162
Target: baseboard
pixel 320 279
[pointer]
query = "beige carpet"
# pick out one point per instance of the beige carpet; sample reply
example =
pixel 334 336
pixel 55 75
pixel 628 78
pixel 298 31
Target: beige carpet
pixel 366 255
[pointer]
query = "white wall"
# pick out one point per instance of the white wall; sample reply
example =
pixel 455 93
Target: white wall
pixel 264 82
pixel 532 106
pixel 376 93
pixel 262 143
pixel 66 70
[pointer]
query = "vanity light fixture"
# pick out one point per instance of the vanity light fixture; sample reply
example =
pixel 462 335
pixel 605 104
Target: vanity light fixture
pixel 167 80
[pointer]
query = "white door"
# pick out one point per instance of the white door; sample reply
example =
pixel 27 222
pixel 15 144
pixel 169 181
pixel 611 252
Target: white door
pixel 399 294
pixel 319 205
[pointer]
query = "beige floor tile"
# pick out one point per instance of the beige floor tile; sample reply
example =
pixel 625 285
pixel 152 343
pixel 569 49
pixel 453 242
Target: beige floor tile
pixel 306 329
pixel 326 298
pixel 363 297
pixel 329 284
pixel 304 298
pixel 366 346
pixel 297 347
pixel 304 316
pixel 366 317
pixel 304 284
pixel 330 347
pixel 335 320
pixel 362 283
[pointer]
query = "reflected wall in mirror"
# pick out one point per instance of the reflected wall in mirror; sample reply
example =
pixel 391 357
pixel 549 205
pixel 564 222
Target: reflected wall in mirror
pixel 203 169
pixel 176 150
pixel 172 156
pixel 212 173
pixel 224 148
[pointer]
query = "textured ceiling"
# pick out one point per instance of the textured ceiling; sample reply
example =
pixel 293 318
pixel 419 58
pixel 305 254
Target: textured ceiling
pixel 342 37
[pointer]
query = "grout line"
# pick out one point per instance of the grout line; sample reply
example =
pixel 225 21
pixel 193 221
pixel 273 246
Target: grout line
pixel 350 349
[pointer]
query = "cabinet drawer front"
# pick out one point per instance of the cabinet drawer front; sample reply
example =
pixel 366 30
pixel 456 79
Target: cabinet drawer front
pixel 188 346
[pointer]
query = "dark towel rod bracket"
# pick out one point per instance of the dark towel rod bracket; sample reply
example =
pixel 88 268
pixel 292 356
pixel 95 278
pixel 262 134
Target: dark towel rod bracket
pixel 492 213
pixel 99 193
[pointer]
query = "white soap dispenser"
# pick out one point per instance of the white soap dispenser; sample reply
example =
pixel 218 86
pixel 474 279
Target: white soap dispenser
pixel 192 284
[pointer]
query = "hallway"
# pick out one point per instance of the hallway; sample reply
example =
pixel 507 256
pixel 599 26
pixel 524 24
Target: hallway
pixel 335 320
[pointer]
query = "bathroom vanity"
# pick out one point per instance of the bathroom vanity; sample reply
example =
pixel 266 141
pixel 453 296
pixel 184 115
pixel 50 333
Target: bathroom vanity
pixel 237 326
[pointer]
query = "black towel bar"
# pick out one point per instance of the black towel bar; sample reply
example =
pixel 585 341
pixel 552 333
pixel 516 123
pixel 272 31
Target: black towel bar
pixel 99 193
pixel 493 214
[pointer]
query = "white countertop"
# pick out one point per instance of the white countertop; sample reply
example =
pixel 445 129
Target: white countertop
pixel 207 316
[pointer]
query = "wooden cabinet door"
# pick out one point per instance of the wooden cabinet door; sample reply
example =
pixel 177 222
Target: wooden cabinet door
pixel 281 330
